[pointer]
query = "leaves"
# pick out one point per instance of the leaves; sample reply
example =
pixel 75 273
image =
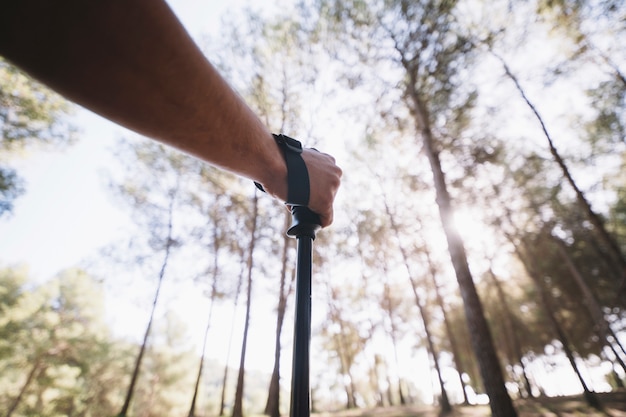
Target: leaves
pixel 30 115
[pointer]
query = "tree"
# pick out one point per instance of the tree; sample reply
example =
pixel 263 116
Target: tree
pixel 252 227
pixel 424 40
pixel 30 114
pixel 165 380
pixel 551 315
pixel 272 407
pixel 343 339
pixel 446 408
pixel 217 243
pixel 377 258
pixel 511 329
pixel 452 339
pixel 595 219
pixel 237 294
pixel 154 200
pixel 60 348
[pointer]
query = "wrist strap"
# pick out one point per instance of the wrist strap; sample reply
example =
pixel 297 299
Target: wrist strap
pixel 298 186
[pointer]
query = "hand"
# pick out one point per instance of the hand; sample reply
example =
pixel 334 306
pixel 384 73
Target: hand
pixel 324 178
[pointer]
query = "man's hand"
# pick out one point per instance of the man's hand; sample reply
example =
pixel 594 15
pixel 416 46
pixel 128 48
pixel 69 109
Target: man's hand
pixel 324 180
pixel 324 177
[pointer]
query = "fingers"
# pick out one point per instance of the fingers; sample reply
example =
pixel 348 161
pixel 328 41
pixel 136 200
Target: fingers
pixel 325 179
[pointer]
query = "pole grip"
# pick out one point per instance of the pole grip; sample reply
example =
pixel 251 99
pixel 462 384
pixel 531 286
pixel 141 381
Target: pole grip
pixel 304 222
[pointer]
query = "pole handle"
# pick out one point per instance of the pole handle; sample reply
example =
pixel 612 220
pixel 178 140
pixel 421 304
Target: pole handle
pixel 305 222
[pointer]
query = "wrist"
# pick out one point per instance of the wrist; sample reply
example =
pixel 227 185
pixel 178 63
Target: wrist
pixel 274 173
pixel 298 185
pixel 297 175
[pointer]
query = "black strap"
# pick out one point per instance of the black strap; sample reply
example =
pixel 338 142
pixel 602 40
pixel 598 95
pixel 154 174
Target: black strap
pixel 298 186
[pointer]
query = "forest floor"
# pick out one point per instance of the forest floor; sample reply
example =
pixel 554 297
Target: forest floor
pixel 614 405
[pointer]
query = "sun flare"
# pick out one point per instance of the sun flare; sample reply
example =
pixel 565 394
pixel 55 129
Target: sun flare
pixel 477 235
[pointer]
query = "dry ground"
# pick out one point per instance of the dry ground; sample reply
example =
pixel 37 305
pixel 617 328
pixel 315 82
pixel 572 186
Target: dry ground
pixel 614 406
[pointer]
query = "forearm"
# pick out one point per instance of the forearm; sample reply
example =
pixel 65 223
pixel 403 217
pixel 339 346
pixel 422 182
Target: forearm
pixel 132 62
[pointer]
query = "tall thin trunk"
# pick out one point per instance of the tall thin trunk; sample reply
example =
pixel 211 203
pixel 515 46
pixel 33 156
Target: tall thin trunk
pixel 345 369
pixel 445 401
pixel 192 408
pixel 510 325
pixel 272 406
pixel 388 308
pixel 394 340
pixel 34 371
pixel 168 248
pixel 449 333
pixel 230 337
pixel 590 396
pixel 342 351
pixel 480 334
pixel 389 392
pixel 594 218
pixel 378 393
pixel 616 378
pixel 593 307
pixel 238 405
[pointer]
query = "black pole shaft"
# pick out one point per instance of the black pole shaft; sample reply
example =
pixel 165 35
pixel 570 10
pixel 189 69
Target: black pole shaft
pixel 305 223
pixel 300 390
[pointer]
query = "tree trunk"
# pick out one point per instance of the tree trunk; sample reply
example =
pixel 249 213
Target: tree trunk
pixel 192 408
pixel 387 306
pixel 238 405
pixel 595 311
pixel 272 407
pixel 230 337
pixel 590 397
pixel 379 395
pixel 168 248
pixel 345 370
pixel 34 371
pixel 594 218
pixel 482 341
pixel 510 325
pixel 342 351
pixel 394 342
pixel 445 402
pixel 449 333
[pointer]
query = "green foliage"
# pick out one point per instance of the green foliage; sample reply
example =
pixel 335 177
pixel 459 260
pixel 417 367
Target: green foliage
pixel 56 351
pixel 30 114
pixel 57 356
pixel 617 219
pixel 608 129
pixel 11 187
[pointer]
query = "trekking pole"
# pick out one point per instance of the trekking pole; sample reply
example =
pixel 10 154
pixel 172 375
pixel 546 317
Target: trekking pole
pixel 305 224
